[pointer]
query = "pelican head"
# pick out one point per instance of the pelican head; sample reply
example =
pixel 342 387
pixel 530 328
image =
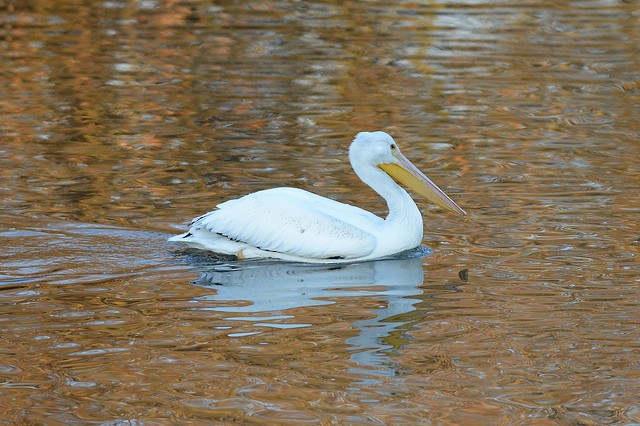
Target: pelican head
pixel 378 149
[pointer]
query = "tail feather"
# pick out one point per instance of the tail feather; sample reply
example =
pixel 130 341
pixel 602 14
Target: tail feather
pixel 180 237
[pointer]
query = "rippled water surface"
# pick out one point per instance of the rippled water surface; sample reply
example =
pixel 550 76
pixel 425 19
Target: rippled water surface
pixel 120 121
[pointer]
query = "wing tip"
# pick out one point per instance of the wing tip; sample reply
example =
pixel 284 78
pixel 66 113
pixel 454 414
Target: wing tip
pixel 180 237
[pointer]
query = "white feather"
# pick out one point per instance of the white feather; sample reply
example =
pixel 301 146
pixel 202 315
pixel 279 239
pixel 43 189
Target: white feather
pixel 292 221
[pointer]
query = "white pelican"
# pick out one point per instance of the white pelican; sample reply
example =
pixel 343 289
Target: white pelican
pixel 296 225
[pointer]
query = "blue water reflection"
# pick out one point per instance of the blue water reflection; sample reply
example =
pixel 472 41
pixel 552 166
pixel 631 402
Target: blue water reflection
pixel 274 288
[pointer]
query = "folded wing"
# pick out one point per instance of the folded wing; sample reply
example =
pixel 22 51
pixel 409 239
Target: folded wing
pixel 295 222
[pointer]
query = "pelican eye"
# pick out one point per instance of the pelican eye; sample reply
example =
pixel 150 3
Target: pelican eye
pixel 393 146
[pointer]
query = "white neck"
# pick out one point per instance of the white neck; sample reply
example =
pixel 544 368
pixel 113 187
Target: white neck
pixel 404 216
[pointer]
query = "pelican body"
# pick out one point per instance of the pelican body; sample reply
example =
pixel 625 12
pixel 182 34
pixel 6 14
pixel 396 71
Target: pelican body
pixel 296 225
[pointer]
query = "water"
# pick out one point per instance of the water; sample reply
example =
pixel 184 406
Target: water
pixel 121 121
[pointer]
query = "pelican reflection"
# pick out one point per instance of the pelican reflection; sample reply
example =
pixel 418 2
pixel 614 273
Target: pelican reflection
pixel 271 288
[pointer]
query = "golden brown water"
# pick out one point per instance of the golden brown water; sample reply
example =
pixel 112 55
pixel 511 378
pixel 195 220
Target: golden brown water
pixel 122 120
